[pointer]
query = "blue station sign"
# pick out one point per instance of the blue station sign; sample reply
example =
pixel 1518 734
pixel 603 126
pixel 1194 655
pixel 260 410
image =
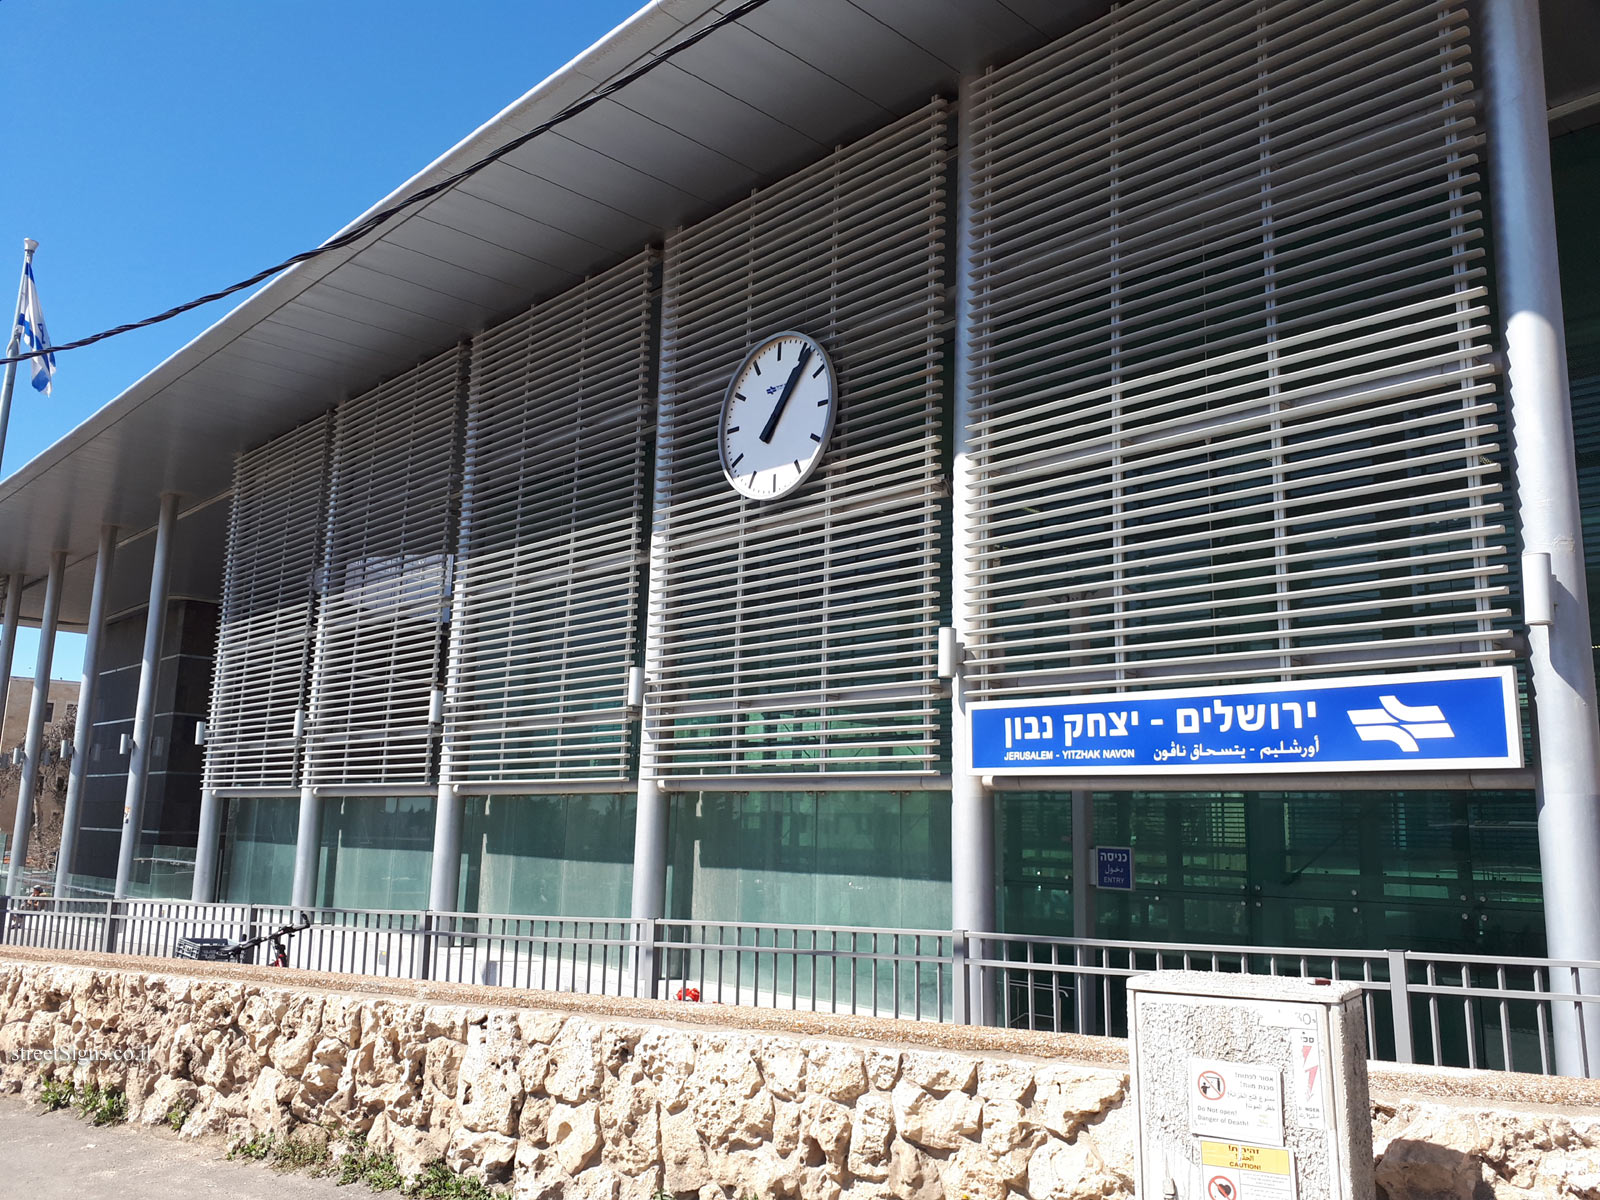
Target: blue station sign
pixel 1113 868
pixel 1426 722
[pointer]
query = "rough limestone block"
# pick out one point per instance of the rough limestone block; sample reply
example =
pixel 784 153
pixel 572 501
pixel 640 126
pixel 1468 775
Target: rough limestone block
pixel 870 1137
pixel 574 1135
pixel 575 1072
pixel 835 1071
pixel 937 1122
pixel 937 1072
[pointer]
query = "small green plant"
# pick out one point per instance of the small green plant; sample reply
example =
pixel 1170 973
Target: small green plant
pixel 301 1154
pixel 361 1164
pixel 256 1147
pixel 101 1106
pixel 178 1114
pixel 439 1182
pixel 56 1094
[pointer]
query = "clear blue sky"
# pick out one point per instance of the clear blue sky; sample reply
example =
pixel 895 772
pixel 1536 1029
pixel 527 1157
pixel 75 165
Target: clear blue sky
pixel 159 150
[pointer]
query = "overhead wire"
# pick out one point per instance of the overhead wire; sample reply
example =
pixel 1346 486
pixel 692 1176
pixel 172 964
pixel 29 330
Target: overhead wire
pixel 378 219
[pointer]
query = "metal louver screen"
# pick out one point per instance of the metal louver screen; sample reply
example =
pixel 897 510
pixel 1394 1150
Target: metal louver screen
pixel 268 611
pixel 1233 413
pixel 800 635
pixel 553 511
pixel 386 580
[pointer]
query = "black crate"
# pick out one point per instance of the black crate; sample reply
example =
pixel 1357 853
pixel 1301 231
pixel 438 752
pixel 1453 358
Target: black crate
pixel 205 949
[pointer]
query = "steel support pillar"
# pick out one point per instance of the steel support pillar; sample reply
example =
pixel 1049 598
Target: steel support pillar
pixel 83 730
pixel 650 853
pixel 972 817
pixel 33 746
pixel 307 844
pixel 155 625
pixel 444 888
pixel 1086 988
pixel 648 903
pixel 8 634
pixel 649 881
pixel 1560 654
pixel 207 848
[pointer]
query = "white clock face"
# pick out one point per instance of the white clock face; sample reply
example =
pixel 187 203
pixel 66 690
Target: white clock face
pixel 777 416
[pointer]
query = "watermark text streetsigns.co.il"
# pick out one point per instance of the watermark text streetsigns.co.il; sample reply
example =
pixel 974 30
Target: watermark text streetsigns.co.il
pixel 74 1055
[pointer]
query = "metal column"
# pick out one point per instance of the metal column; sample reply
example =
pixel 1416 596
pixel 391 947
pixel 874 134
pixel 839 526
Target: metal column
pixel 155 625
pixel 1560 654
pixel 83 731
pixel 444 883
pixel 8 633
pixel 1086 988
pixel 444 887
pixel 1083 864
pixel 207 844
pixel 307 843
pixel 972 840
pixel 650 830
pixel 35 739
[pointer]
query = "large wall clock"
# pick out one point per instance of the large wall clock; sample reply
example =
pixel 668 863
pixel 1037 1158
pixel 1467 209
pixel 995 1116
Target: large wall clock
pixel 777 416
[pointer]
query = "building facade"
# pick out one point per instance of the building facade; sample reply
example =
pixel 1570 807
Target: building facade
pixel 1165 351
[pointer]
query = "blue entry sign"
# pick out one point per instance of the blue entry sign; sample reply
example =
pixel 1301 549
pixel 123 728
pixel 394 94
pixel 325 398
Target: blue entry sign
pixel 1427 722
pixel 1113 868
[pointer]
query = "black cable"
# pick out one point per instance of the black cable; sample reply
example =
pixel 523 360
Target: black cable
pixel 379 218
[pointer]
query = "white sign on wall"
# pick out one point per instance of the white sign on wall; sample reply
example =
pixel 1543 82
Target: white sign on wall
pixel 1236 1102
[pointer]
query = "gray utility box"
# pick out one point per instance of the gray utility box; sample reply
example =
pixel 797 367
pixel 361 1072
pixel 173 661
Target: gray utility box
pixel 1249 1087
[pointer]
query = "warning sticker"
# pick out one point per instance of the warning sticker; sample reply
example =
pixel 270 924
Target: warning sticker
pixel 1236 1102
pixel 1234 1171
pixel 1309 1081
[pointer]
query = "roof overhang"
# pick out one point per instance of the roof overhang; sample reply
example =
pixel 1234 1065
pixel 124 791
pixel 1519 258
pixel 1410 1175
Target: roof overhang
pixel 747 105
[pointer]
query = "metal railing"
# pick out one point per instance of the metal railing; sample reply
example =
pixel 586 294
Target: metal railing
pixel 1462 1010
pixel 1439 1009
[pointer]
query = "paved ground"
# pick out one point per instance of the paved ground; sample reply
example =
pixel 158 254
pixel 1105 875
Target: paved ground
pixel 55 1156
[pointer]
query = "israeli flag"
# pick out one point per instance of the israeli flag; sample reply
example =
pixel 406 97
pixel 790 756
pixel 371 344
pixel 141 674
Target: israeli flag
pixel 31 333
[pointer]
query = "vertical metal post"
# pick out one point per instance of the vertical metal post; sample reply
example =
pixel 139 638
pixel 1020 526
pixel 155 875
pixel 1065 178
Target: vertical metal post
pixel 1560 656
pixel 960 980
pixel 445 884
pixel 650 832
pixel 8 634
pixel 83 731
pixel 307 844
pixel 1400 1007
pixel 1085 988
pixel 972 837
pixel 10 379
pixel 1083 864
pixel 155 624
pixel 649 877
pixel 207 847
pixel 422 953
pixel 34 743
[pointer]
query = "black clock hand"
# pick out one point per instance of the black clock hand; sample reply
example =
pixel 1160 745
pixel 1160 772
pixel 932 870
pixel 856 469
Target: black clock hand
pixel 771 426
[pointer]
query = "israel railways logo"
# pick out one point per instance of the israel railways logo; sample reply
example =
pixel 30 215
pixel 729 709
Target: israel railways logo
pixel 1402 724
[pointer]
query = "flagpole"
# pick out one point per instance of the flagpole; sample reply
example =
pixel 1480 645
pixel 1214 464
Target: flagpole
pixel 28 247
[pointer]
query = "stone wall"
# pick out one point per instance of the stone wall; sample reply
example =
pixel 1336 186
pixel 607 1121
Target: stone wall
pixel 618 1100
